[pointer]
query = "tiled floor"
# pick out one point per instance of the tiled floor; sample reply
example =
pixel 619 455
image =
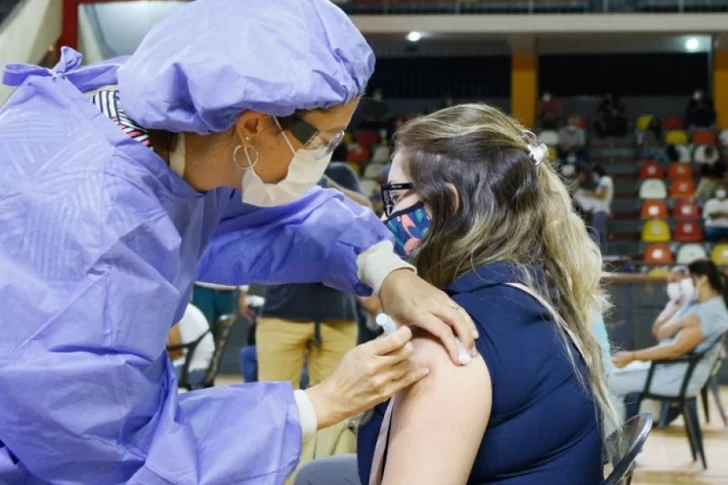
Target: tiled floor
pixel 666 457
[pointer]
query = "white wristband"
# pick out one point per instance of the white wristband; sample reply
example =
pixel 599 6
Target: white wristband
pixel 306 414
pixel 377 262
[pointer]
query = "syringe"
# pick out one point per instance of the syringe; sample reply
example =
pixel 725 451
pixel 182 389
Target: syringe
pixel 388 325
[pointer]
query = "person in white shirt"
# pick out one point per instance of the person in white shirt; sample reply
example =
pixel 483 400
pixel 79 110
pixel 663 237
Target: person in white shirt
pixel 715 213
pixel 190 328
pixel 599 203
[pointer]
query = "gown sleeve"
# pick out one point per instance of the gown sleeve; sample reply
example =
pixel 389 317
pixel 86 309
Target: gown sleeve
pixel 87 392
pixel 315 239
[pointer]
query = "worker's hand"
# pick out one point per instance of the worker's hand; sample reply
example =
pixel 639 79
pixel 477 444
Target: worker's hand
pixel 622 359
pixel 368 374
pixel 409 300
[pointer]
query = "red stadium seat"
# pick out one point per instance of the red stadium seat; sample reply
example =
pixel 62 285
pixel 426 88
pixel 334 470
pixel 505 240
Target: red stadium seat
pixel 654 209
pixel 658 254
pixel 703 137
pixel 680 171
pixel 674 122
pixel 366 138
pixel 651 170
pixel 357 154
pixel 682 189
pixel 686 209
pixel 689 231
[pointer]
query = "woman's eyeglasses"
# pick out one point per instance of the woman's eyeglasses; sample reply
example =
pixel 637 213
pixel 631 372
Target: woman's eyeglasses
pixel 391 193
pixel 311 137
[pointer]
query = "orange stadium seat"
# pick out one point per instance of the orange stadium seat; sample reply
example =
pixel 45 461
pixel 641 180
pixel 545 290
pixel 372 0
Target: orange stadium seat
pixel 680 171
pixel 686 209
pixel 650 169
pixel 682 189
pixel 703 137
pixel 656 231
pixel 366 138
pixel 654 209
pixel 658 254
pixel 689 231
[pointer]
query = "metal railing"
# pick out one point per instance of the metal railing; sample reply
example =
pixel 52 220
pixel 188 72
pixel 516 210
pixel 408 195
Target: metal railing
pixel 464 7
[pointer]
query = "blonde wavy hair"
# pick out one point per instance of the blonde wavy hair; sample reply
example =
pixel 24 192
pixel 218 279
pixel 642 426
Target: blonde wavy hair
pixel 508 209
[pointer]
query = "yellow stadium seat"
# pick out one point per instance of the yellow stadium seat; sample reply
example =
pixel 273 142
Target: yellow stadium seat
pixel 553 153
pixel 676 137
pixel 720 254
pixel 656 231
pixel 660 271
pixel 356 168
pixel 643 122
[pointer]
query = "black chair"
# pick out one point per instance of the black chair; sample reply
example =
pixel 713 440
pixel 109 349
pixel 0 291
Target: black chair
pixel 625 446
pixel 221 329
pixel 712 386
pixel 687 405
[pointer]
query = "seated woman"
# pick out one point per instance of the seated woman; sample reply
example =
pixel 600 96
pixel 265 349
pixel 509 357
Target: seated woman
pixel 696 331
pixel 471 203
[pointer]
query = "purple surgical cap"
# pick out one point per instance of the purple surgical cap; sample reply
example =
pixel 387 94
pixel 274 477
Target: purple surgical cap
pixel 202 66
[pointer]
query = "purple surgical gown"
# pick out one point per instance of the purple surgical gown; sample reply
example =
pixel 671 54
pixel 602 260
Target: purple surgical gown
pixel 99 245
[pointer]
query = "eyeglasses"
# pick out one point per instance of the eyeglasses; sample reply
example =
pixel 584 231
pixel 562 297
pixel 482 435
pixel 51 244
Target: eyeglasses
pixel 391 193
pixel 311 137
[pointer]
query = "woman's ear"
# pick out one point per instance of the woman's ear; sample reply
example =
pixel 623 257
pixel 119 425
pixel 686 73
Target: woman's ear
pixel 454 197
pixel 251 124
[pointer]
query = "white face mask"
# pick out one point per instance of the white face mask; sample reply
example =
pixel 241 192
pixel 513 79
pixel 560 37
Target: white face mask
pixel 177 156
pixel 546 98
pixel 304 172
pixel 674 291
pixel 688 290
pixel 697 96
pixel 720 194
pixel 571 158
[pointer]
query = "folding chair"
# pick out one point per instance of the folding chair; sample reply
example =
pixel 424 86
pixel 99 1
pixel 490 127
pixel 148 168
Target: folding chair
pixel 687 404
pixel 624 451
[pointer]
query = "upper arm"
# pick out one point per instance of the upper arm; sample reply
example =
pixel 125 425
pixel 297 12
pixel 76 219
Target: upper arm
pixel 439 423
pixel 689 338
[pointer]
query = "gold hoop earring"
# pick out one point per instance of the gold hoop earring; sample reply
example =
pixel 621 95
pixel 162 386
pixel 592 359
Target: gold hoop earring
pixel 252 161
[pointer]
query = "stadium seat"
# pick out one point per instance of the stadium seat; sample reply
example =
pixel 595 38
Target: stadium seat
pixel 680 171
pixel 690 252
pixel 674 122
pixel 366 138
pixel 686 209
pixel 356 167
pixel 700 156
pixel 651 170
pixel 720 254
pixel 682 189
pixel 581 121
pixel 357 154
pixel 654 209
pixel 689 231
pixel 653 189
pixel 381 153
pixel 656 231
pixel 373 171
pixel 659 271
pixel 368 187
pixel 703 137
pixel 643 122
pixel 676 137
pixel 723 138
pixel 548 137
pixel 658 254
pixel 684 154
pixel 553 153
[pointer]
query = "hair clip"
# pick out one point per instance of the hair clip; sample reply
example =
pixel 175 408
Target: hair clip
pixel 537 151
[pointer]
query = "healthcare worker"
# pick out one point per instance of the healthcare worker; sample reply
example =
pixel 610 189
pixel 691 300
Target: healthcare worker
pixel 122 182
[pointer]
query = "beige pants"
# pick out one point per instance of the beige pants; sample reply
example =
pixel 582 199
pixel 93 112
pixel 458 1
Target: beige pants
pixel 282 346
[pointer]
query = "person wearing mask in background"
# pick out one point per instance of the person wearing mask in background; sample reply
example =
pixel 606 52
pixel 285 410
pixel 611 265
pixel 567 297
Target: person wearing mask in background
pixel 572 141
pixel 697 330
pixel 611 118
pixel 700 112
pixel 599 203
pixel 715 214
pixel 191 327
pixel 111 221
pixel 712 172
pixel 679 291
pixel 549 112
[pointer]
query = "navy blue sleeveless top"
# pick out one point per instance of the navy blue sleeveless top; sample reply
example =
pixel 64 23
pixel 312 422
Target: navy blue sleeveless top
pixel 543 426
